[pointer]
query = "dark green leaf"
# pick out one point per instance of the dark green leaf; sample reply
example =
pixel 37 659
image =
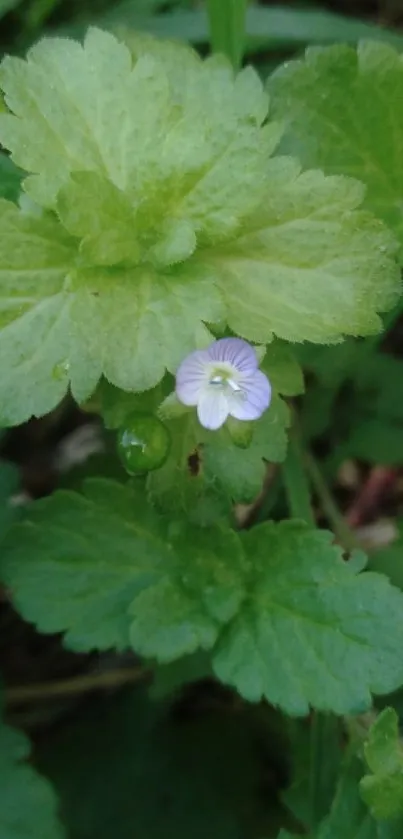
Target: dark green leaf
pixel 104 568
pixel 28 806
pixel 9 480
pixel 10 177
pixel 312 632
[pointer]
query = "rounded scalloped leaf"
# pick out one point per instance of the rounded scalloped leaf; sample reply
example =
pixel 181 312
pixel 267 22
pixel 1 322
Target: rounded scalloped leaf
pixel 309 264
pixel 171 213
pixel 104 568
pixel 159 139
pixel 312 632
pixel 342 111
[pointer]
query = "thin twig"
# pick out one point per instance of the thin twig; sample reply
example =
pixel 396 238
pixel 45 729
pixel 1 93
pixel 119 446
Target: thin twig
pixel 295 481
pixel 340 527
pixel 72 687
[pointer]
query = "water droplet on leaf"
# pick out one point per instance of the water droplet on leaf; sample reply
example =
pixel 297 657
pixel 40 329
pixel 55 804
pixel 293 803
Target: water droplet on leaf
pixel 143 444
pixel 60 370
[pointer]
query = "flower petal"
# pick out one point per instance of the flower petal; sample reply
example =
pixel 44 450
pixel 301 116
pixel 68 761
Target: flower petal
pixel 235 351
pixel 257 395
pixel 213 409
pixel 191 377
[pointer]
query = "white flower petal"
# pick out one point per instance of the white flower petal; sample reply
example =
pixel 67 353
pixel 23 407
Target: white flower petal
pixel 256 398
pixel 191 377
pixel 212 409
pixel 235 351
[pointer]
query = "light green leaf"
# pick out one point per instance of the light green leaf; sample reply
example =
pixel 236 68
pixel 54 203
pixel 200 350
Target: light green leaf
pixel 241 471
pixel 240 432
pixel 35 257
pixel 171 408
pixel 343 113
pixel 305 242
pixel 76 98
pixel 28 806
pixel 64 324
pixel 311 632
pixel 383 789
pixel 118 316
pixel 282 368
pixel 348 815
pixel 161 172
pixel 89 206
pixel 104 568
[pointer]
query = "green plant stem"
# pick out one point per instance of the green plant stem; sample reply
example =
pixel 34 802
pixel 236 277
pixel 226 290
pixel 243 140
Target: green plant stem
pixel 325 728
pixel 324 765
pixel 72 687
pixel 227 28
pixel 338 523
pixel 296 482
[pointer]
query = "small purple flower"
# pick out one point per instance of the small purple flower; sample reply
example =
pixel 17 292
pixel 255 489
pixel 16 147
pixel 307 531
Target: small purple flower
pixel 223 380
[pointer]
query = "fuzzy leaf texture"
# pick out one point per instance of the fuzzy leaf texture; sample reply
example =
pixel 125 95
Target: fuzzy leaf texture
pixel 171 213
pixel 28 806
pixel 103 567
pixel 311 632
pixel 293 623
pixel 343 112
pixel 383 789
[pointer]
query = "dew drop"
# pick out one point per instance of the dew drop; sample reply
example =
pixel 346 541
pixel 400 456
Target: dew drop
pixel 61 370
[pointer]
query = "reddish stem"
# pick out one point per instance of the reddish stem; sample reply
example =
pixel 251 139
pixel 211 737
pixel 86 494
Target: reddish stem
pixel 380 482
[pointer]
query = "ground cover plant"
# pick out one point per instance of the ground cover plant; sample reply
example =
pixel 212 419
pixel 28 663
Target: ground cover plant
pixel 201 381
